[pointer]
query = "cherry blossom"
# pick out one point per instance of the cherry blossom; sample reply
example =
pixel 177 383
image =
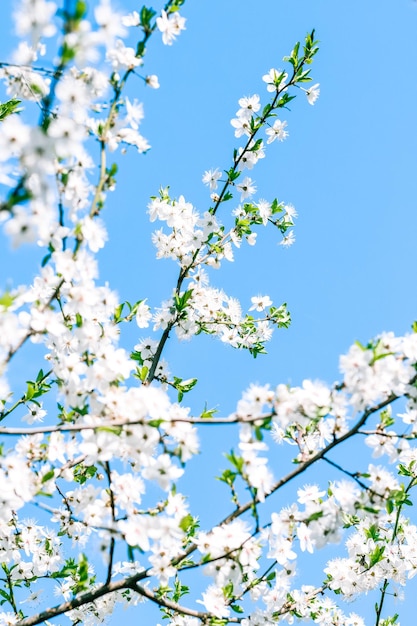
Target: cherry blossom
pixel 99 440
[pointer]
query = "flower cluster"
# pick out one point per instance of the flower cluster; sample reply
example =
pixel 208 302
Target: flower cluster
pixel 100 442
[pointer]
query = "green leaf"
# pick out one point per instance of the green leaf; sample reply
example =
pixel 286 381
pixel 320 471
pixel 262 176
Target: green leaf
pixel 142 373
pixel 83 473
pixel 186 523
pixel 228 477
pixel 376 555
pixel 386 418
pixel 6 300
pixel 8 108
pixel 258 143
pixel 181 300
pixel 4 595
pixel 46 259
pixel 284 100
pixel 175 6
pixel 114 430
pixel 183 386
pixel 266 110
pixel 145 17
pixel 69 569
pixel 208 413
pixel 48 476
pixel 232 174
pixel 228 590
pixel 404 471
pixel 30 391
pixel 67 54
pixel 236 461
pixel 372 532
pixel 314 516
pixel 136 356
pixel 80 10
pixel 258 433
pixel 118 313
pixel 155 423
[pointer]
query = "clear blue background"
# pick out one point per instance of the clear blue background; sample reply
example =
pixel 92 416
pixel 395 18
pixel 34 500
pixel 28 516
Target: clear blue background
pixel 348 166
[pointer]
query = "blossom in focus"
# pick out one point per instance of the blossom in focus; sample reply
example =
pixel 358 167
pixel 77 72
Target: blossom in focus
pixel 274 78
pixel 246 188
pixel 170 26
pixel 259 303
pixel 288 239
pixel 313 93
pixel 249 105
pixel 210 177
pixel 277 131
pixel 35 415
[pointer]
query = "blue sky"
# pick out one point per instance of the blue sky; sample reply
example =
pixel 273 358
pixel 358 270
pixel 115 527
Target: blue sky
pixel 348 166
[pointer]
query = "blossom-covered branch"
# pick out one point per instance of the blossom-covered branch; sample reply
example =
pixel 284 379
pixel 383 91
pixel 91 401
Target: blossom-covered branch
pixel 106 436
